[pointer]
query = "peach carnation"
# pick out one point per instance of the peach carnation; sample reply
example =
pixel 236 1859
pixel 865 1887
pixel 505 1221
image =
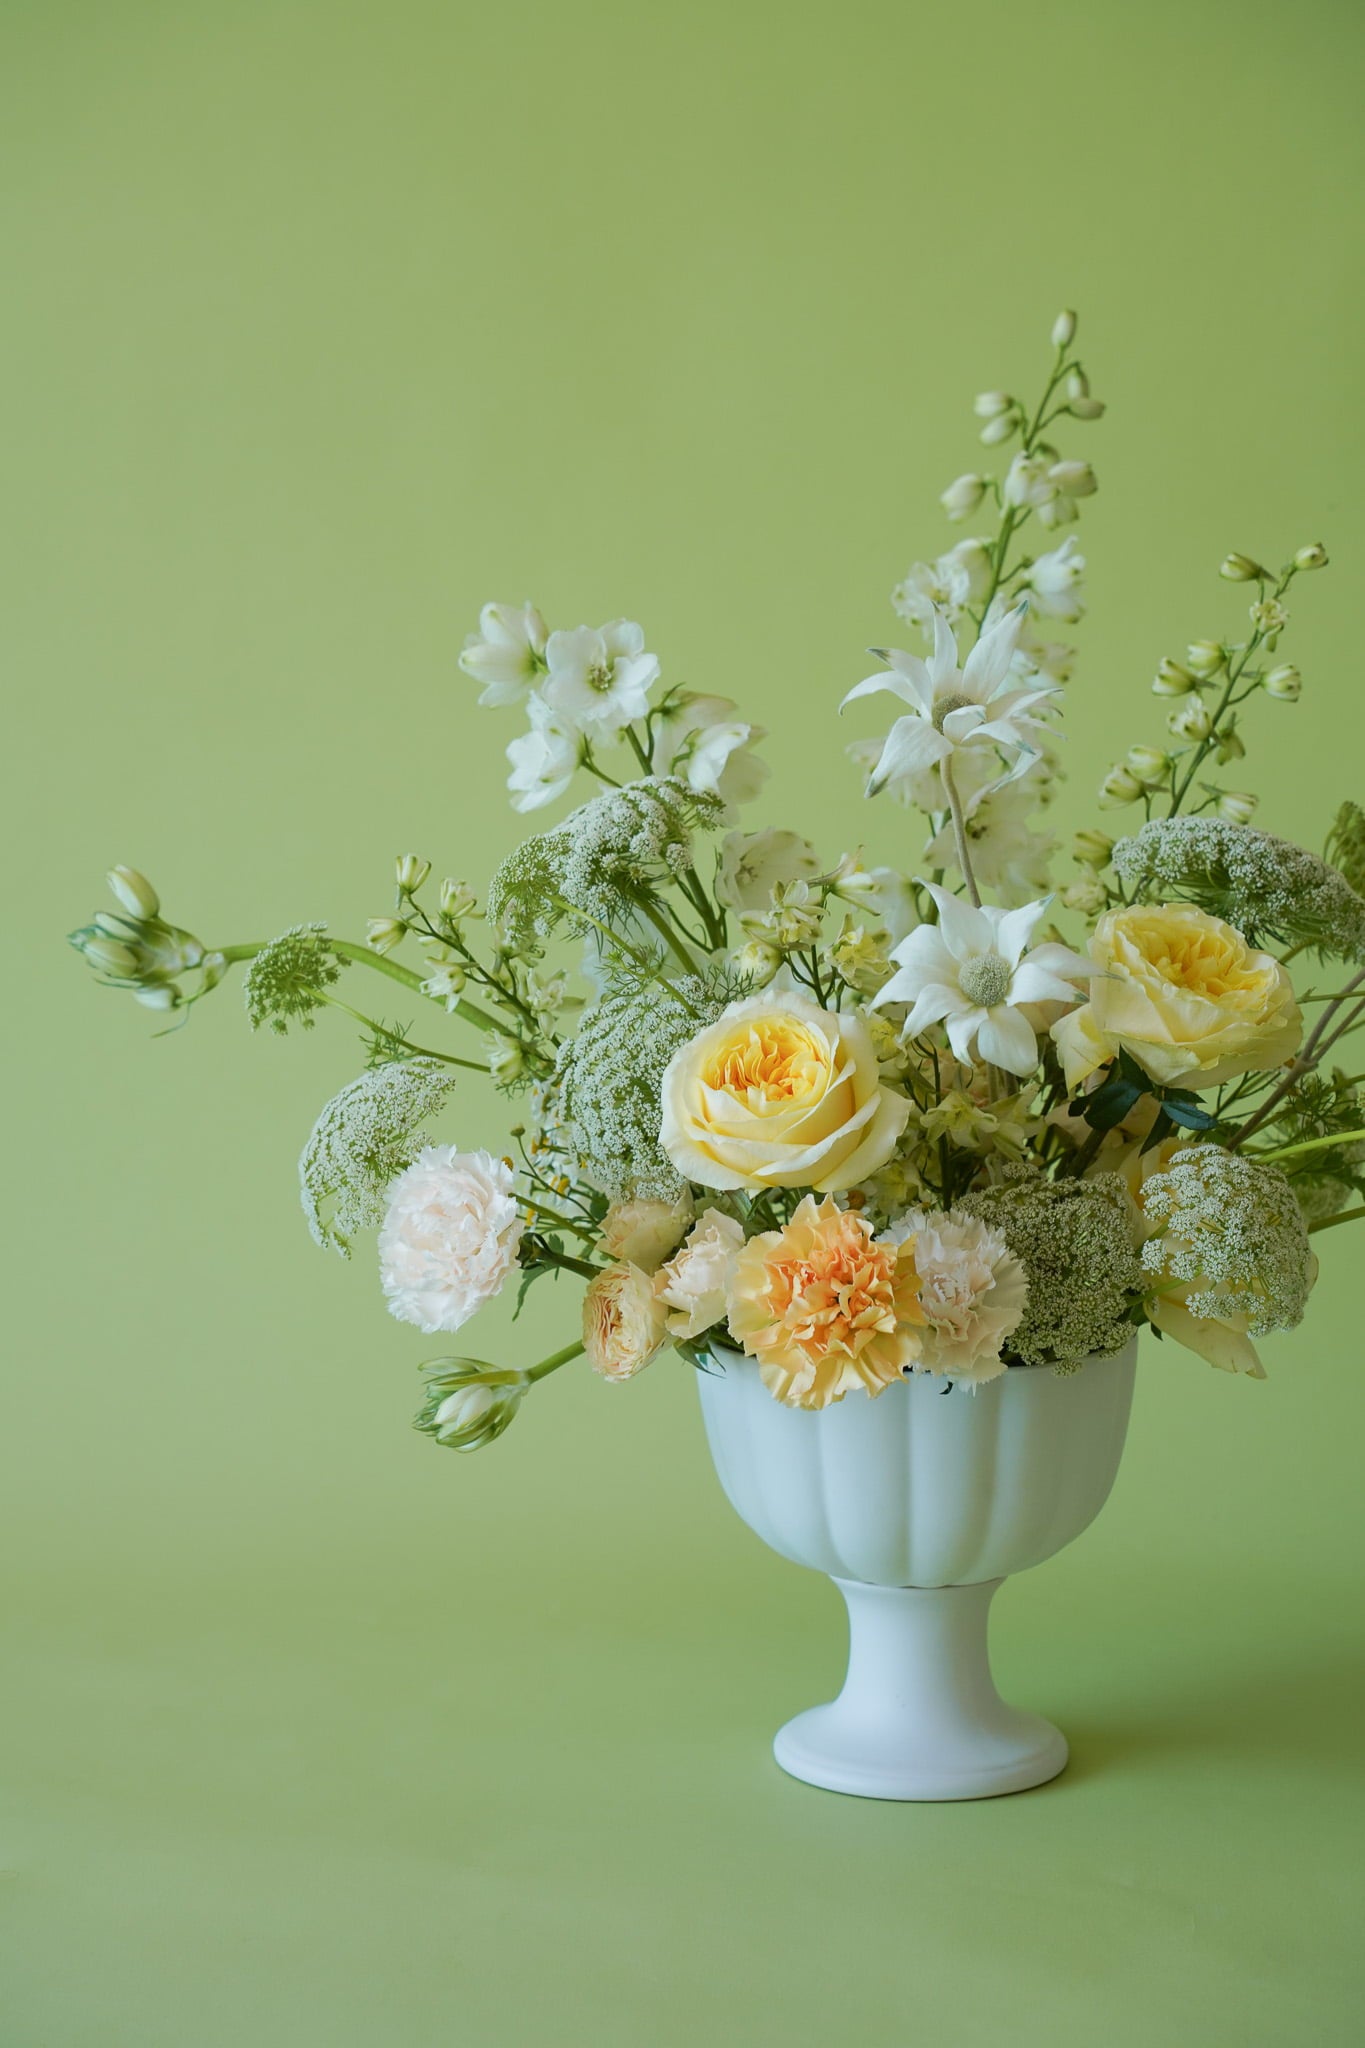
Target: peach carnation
pixel 824 1308
pixel 623 1322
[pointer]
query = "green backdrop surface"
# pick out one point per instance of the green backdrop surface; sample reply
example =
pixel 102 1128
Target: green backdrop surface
pixel 324 323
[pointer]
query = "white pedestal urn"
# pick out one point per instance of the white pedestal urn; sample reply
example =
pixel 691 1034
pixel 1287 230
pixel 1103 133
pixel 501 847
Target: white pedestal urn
pixel 918 1503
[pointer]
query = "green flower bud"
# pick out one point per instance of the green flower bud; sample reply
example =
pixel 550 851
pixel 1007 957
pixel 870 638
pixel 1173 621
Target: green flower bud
pixel 1077 384
pixel 1171 680
pixel 998 429
pixel 1076 479
pixel 1147 764
pixel 1092 849
pixel 134 892
pixel 1312 557
pixel 757 962
pixel 992 405
pixel 1230 744
pixel 410 872
pixel 165 996
pixel 1120 786
pixel 469 1404
pixel 505 1059
pixel 1064 329
pixel 457 899
pixel 1238 806
pixel 1240 569
pixel 1087 408
pixel 214 968
pixel 1204 658
pixel 1283 682
pixel 1086 895
pixel 1190 721
pixel 382 934
pixel 111 956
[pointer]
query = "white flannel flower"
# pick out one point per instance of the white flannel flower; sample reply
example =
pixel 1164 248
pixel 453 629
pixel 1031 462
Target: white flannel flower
pixel 957 710
pixel 971 973
pixel 543 759
pixel 1055 582
pixel 948 585
pixel 600 676
pixel 699 741
pixel 507 654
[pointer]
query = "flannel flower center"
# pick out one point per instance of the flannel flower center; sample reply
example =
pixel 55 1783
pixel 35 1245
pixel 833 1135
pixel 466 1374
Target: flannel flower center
pixel 985 980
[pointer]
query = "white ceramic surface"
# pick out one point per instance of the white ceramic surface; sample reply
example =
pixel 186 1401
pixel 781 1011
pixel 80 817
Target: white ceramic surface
pixel 917 1504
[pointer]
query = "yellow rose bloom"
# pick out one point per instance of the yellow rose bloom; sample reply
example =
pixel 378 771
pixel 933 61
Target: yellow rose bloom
pixel 1185 995
pixel 824 1307
pixel 779 1093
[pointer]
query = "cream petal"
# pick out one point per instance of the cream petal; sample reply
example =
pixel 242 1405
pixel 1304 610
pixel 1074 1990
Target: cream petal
pixel 1006 1039
pixel 911 747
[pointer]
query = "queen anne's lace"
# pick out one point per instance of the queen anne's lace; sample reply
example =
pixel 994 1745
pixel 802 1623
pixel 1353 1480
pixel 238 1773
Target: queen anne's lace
pixel 1231 1228
pixel 1266 887
pixel 602 858
pixel 284 983
pixel 365 1135
pixel 1074 1239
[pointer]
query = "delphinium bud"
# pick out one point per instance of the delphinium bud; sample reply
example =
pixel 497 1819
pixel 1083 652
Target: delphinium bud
pixel 1238 806
pixel 1191 721
pixel 1064 329
pixel 1120 786
pixel 1283 682
pixel 1077 479
pixel 990 405
pixel 963 495
pixel 1311 557
pixel 999 429
pixel 1087 408
pixel 1087 895
pixel 1240 569
pixel 457 899
pixel 1092 849
pixel 1204 658
pixel 1171 680
pixel 1147 764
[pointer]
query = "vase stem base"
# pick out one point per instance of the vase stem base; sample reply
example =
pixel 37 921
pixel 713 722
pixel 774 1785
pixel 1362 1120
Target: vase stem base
pixel 919 1716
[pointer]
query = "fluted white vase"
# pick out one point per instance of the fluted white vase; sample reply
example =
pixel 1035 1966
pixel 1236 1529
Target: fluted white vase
pixel 917 1504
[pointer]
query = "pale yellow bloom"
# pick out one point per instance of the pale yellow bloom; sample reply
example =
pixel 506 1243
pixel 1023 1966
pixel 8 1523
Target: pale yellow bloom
pixel 1185 994
pixel 779 1093
pixel 623 1322
pixel 824 1308
pixel 644 1232
pixel 692 1285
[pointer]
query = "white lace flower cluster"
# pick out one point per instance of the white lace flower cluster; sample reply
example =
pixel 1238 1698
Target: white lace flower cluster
pixel 1230 1233
pixel 585 687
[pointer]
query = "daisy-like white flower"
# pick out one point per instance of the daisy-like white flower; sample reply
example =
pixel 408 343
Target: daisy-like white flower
pixel 543 759
pixel 600 676
pixel 958 710
pixel 972 973
pixel 507 654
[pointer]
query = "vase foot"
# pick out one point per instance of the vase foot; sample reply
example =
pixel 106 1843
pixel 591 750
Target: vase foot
pixel 825 1746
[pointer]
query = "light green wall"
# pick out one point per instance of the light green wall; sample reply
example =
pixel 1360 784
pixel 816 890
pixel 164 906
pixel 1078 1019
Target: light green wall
pixel 323 323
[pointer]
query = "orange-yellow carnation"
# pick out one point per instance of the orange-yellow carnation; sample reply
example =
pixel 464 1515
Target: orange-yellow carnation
pixel 824 1308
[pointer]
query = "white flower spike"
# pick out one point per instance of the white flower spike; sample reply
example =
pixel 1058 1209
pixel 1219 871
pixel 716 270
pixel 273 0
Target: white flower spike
pixel 958 710
pixel 971 973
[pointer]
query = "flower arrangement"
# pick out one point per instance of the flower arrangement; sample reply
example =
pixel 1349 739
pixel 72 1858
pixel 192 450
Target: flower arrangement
pixel 854 1121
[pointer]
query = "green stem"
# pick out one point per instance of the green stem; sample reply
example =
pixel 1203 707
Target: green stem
pixel 425 1052
pixel 1344 1216
pixel 668 935
pixel 567 1261
pixel 365 956
pixel 553 1362
pixel 959 829
pixel 1309 1145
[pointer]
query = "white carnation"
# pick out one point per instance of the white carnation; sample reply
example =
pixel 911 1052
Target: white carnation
pixel 449 1238
pixel 972 1292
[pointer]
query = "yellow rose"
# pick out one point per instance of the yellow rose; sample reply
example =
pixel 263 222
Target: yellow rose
pixel 1185 995
pixel 779 1093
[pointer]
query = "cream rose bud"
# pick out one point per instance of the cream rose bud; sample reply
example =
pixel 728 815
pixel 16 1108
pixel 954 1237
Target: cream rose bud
pixel 623 1322
pixel 1185 995
pixel 779 1093
pixel 692 1285
pixel 644 1232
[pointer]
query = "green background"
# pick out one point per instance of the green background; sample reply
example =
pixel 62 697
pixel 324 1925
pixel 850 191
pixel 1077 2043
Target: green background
pixel 323 324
